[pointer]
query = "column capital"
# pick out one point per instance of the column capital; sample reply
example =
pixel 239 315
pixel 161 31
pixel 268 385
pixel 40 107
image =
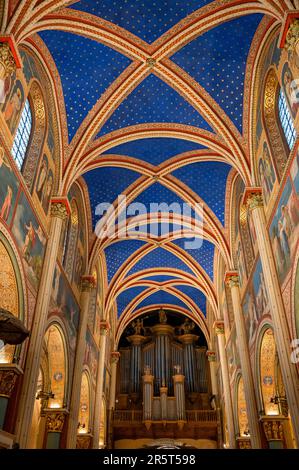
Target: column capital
pixel 8 377
pixel 273 427
pixel 211 355
pixel 60 207
pixel 10 59
pixel 55 420
pixel 218 326
pixel 289 36
pixel 231 279
pixel 87 283
pixel 114 357
pixel 253 198
pixel 104 328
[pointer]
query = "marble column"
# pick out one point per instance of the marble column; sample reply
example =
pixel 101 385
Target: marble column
pixel 232 280
pixel 211 355
pixel 148 392
pixel 55 422
pixel 219 330
pixel 114 361
pixel 60 210
pixel 104 329
pixel 87 284
pixel 254 201
pixel 179 393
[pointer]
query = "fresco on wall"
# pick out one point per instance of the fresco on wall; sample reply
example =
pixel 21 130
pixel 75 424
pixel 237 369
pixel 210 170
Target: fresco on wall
pixel 42 178
pixel 91 356
pixel 8 188
pixel 295 173
pixel 284 229
pixel 291 89
pixel 65 307
pixel 241 264
pixel 266 173
pixel 232 352
pixel 14 106
pixel 256 302
pixel 5 88
pixel 296 300
pixel 30 238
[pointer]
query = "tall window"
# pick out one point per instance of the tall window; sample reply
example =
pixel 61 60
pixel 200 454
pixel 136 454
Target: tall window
pixel 286 120
pixel 21 141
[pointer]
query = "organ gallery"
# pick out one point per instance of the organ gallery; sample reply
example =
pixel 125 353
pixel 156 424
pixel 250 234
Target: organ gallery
pixel 149 225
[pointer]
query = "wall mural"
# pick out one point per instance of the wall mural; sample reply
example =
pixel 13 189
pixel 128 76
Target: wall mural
pixel 8 188
pixel 91 357
pixel 65 307
pixel 232 353
pixel 296 300
pixel 14 105
pixel 284 229
pixel 266 173
pixel 30 238
pixel 256 302
pixel 291 89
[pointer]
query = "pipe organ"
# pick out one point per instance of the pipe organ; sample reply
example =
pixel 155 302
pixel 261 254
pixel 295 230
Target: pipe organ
pixel 163 369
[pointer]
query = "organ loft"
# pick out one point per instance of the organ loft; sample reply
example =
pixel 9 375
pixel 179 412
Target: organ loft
pixel 163 385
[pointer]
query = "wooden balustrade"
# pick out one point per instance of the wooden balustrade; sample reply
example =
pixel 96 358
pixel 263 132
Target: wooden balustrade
pixel 136 416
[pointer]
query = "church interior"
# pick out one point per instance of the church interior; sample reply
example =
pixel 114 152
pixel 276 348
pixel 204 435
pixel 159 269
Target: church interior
pixel 149 224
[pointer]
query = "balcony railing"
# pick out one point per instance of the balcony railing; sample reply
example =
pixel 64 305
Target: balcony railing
pixel 136 416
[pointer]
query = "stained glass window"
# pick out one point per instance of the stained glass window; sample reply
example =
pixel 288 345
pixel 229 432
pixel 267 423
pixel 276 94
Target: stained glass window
pixel 286 120
pixel 21 140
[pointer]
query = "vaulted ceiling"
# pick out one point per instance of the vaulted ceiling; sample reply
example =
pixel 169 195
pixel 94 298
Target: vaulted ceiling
pixel 153 94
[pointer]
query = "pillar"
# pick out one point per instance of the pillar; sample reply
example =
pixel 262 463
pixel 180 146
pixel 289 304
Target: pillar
pixel 87 284
pixel 232 280
pixel 104 329
pixel 114 361
pixel 254 201
pixel 219 330
pixel 8 377
pixel 179 393
pixel 211 355
pixel 59 212
pixel 55 421
pixel 148 393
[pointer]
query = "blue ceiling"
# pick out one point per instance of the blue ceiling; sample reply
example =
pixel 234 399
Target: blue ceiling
pixel 208 180
pixel 105 184
pixel 217 61
pixel 127 296
pixel 160 258
pixel 154 150
pixel 153 101
pixel 118 253
pixel 146 19
pixel 204 254
pixel 86 70
pixel 161 298
pixel 196 295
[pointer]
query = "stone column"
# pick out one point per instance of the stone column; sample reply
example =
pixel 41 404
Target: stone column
pixel 104 329
pixel 114 361
pixel 87 284
pixel 8 377
pixel 219 330
pixel 254 201
pixel 55 421
pixel 179 393
pixel 232 280
pixel 211 355
pixel 59 212
pixel 148 392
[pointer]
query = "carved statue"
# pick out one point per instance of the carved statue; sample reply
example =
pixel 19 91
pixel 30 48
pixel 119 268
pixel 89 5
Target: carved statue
pixel 138 326
pixel 187 326
pixel 162 316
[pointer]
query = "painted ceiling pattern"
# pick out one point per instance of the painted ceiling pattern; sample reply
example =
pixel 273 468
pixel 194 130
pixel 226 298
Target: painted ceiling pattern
pixel 153 94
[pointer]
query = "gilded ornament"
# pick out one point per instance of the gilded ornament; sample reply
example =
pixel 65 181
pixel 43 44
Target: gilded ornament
pixel 211 355
pixel 292 37
pixel 7 61
pixel 232 280
pixel 219 327
pixel 273 430
pixel 254 201
pixel 87 283
pixel 58 209
pixel 55 421
pixel 7 382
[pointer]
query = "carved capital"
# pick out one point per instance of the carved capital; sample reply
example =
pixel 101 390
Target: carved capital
pixel 83 441
pixel 87 283
pixel 292 36
pixel 7 61
pixel 104 328
pixel 232 279
pixel 253 198
pixel 219 327
pixel 60 208
pixel 273 428
pixel 244 442
pixel 115 355
pixel 8 378
pixel 55 420
pixel 211 355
